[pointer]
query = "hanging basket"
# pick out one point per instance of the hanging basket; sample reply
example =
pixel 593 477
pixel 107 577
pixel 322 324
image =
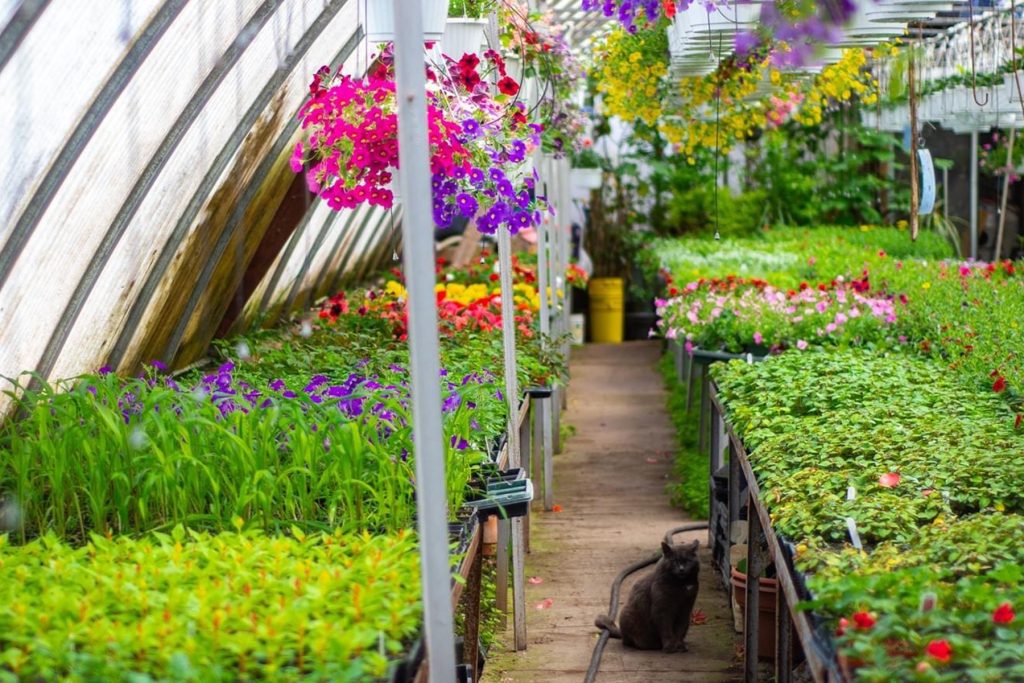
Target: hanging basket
pixel 380 20
pixel 462 36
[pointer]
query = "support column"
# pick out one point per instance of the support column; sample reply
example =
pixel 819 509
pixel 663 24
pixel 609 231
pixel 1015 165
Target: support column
pixel 424 363
pixel 974 194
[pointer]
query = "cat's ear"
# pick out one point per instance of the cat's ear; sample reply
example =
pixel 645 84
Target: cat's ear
pixel 666 549
pixel 694 547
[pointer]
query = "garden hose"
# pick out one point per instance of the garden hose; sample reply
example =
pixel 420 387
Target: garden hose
pixel 613 607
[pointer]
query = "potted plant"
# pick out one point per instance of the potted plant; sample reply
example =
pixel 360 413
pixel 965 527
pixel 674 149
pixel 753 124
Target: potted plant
pixel 586 168
pixel 464 30
pixel 379 22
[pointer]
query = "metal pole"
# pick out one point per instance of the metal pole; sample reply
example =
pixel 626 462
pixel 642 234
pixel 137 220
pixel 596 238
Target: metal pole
pixel 424 366
pixel 508 328
pixel 974 194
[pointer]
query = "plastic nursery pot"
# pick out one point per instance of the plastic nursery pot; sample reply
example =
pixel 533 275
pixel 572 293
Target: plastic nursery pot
pixel 506 495
pixel 766 611
pixel 606 309
pixel 462 36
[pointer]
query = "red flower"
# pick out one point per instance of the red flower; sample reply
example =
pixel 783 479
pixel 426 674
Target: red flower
pixel 844 624
pixel 494 277
pixel 1016 421
pixel 469 61
pixel 508 86
pixel 669 6
pixel 1003 614
pixel 999 385
pixel 889 480
pixel 940 650
pixel 863 621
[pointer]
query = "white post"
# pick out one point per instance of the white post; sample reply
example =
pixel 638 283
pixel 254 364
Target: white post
pixel 974 194
pixel 508 328
pixel 424 366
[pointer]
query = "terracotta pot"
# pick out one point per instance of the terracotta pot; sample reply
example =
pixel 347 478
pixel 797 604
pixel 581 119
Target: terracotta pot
pixel 766 611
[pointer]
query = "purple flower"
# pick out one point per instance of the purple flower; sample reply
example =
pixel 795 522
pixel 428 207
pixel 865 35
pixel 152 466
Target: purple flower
pixel 505 188
pixel 105 370
pixel 467 204
pixel 459 443
pixel 289 394
pixel 451 403
pixel 158 365
pixel 276 385
pixel 519 221
pixel 496 174
pixel 471 128
pixel 476 176
pixel 226 368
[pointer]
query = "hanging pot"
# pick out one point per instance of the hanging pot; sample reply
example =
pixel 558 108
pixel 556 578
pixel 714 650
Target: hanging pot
pixel 380 20
pixel 462 36
pixel 586 178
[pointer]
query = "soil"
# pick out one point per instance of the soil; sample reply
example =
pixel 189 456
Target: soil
pixel 610 485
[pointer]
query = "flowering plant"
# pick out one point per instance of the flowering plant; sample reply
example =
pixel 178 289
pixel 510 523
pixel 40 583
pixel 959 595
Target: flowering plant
pixel 994 157
pixel 479 143
pixel 630 71
pixel 352 146
pixel 637 14
pixel 540 44
pixel 737 314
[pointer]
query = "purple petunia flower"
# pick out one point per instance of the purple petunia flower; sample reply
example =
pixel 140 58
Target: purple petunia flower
pixel 276 385
pixel 476 176
pixel 467 204
pixel 471 128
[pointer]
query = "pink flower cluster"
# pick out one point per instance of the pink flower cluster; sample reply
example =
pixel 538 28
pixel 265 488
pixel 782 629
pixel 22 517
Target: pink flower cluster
pixel 764 315
pixel 479 143
pixel 353 143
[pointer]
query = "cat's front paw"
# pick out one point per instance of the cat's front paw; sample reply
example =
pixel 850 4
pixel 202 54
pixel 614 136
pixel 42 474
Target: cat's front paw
pixel 670 648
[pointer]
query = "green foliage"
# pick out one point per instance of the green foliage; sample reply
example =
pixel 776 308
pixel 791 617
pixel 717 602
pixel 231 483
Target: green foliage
pixel 689 488
pixel 935 467
pixel 198 607
pixel 832 174
pixel 692 211
pixel 788 256
pixel 473 9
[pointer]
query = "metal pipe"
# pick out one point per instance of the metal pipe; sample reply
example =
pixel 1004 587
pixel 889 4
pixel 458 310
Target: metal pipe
pixel 424 364
pixel 974 194
pixel 508 337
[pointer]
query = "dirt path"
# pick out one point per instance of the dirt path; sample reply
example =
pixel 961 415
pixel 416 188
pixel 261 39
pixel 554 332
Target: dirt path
pixel 610 485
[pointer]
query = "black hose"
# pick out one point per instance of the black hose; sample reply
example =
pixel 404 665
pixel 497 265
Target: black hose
pixel 613 607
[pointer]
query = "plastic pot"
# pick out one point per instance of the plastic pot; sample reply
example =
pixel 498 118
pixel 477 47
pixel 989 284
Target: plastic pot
pixel 462 36
pixel 766 611
pixel 379 22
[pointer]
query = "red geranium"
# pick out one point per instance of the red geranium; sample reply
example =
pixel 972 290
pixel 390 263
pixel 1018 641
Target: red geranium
pixel 940 650
pixel 863 621
pixel 1003 614
pixel 508 86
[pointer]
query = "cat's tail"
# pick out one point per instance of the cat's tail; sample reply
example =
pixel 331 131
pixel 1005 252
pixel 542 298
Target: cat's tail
pixel 606 623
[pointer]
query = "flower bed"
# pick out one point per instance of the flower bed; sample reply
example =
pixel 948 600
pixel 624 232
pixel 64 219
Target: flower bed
pixel 872 287
pixel 928 467
pixel 198 607
pixel 298 441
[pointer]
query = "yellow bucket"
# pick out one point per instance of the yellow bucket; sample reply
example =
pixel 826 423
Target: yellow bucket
pixel 606 309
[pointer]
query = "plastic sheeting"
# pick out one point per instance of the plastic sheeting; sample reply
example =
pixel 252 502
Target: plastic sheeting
pixel 147 201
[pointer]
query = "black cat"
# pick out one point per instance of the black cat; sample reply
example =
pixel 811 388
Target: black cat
pixel 657 614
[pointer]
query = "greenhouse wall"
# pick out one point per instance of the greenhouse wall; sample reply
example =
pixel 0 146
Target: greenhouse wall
pixel 141 220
